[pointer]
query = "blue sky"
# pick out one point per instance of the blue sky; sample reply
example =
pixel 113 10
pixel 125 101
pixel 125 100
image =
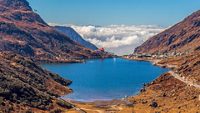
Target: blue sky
pixel 106 12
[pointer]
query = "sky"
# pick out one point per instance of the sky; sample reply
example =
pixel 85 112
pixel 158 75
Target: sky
pixel 117 25
pixel 106 12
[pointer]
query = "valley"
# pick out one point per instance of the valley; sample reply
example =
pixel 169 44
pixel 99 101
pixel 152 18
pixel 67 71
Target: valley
pixel 137 82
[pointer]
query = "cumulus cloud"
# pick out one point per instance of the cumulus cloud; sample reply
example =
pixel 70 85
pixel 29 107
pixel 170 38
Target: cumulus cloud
pixel 119 39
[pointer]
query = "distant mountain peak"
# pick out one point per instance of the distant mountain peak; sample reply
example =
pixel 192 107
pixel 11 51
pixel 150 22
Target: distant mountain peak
pixel 73 35
pixel 16 4
pixel 18 11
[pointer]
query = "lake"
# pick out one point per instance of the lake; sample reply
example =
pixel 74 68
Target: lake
pixel 106 79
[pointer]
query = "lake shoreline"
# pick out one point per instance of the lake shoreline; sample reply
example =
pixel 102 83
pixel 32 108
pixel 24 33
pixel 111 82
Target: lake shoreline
pixel 110 99
pixel 145 99
pixel 103 104
pixel 115 105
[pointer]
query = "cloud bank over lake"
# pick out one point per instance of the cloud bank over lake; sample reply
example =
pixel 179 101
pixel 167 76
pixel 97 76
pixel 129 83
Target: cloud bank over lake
pixel 119 39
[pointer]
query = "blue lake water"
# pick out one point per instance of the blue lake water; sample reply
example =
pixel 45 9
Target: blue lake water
pixel 106 79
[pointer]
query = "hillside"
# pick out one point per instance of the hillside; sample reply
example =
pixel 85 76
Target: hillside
pixel 73 35
pixel 24 85
pixel 183 37
pixel 24 32
pixel 178 90
pixel 25 39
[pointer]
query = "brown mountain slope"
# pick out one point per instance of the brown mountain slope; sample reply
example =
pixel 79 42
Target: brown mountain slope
pixel 24 32
pixel 24 35
pixel 24 84
pixel 182 37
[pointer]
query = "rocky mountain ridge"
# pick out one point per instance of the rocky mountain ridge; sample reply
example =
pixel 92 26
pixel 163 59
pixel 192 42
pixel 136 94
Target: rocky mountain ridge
pixel 25 38
pixel 183 37
pixel 73 35
pixel 24 32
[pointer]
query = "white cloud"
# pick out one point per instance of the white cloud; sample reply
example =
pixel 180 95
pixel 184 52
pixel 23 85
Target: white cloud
pixel 119 39
pixel 53 24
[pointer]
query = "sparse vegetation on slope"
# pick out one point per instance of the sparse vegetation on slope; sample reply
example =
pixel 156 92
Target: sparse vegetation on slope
pixel 24 32
pixel 23 82
pixel 183 37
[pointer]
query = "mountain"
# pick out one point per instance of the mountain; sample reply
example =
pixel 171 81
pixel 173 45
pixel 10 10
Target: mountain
pixel 25 39
pixel 23 83
pixel 182 37
pixel 179 88
pixel 24 32
pixel 73 35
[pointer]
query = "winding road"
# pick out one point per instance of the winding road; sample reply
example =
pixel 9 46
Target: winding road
pixel 190 83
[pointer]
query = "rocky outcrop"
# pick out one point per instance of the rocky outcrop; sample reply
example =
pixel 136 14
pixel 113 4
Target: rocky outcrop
pixel 24 32
pixel 16 4
pixel 182 37
pixel 23 82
